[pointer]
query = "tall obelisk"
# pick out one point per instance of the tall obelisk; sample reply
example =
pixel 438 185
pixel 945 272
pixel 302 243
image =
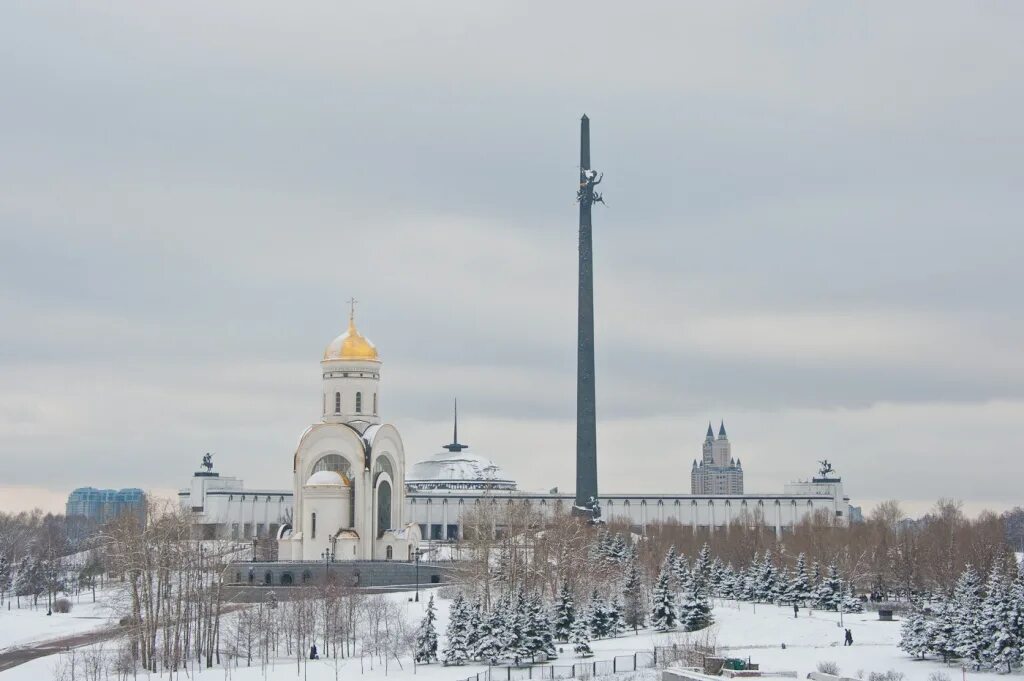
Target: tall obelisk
pixel 586 412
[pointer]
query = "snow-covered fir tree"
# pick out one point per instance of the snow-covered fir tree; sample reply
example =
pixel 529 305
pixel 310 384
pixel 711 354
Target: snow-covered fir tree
pixel 799 588
pixel 829 594
pixel 750 576
pixel 565 613
pixel 579 637
pixel 426 635
pixel 765 584
pixel 663 610
pixel 671 566
pixel 694 610
pixel 634 609
pixel 474 619
pixel 682 576
pixel 969 639
pixel 1003 647
pixel 727 583
pixel 700 575
pixel 456 650
pixel 490 644
pixel 914 634
pixel 518 627
pixel 596 616
pixel 942 633
pixel 616 622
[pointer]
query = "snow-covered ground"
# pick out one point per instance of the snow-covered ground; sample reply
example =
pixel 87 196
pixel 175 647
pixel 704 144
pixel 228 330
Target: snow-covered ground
pixel 28 625
pixel 743 629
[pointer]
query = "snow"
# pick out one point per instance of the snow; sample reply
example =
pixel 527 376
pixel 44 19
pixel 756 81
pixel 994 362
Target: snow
pixel 741 629
pixel 28 625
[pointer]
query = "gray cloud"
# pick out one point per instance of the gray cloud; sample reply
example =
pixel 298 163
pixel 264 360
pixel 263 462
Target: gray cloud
pixel 811 225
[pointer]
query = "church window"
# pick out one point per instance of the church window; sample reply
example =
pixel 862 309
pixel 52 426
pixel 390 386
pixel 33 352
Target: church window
pixel 337 403
pixel 359 403
pixel 375 404
pixel 383 508
pixel 312 529
pixel 390 553
pixel 334 462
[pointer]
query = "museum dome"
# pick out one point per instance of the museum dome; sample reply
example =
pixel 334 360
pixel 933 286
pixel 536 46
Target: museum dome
pixel 351 345
pixel 458 470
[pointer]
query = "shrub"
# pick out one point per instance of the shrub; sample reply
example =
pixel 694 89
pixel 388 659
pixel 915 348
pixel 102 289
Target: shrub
pixel 938 676
pixel 828 667
pixel 891 675
pixel 62 605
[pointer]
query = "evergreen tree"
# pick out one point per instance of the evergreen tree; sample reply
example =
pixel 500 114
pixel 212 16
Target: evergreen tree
pixel 5 577
pixel 579 637
pixel 565 613
pixel 596 617
pixel 799 590
pixel 1002 648
pixel 727 583
pixel 546 627
pixel 456 651
pixel 765 584
pixel 850 601
pixel 717 575
pixel 632 592
pixel 426 636
pixel 663 612
pixel 750 578
pixel 671 566
pixel 474 620
pixel 694 610
pixel 969 641
pixel 700 576
pixel 489 644
pixel 829 594
pixel 682 577
pixel 616 624
pixel 518 629
pixel 914 634
pixel 942 633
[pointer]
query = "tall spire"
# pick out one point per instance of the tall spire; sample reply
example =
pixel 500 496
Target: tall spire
pixel 711 432
pixel 586 410
pixel 455 446
pixel 721 431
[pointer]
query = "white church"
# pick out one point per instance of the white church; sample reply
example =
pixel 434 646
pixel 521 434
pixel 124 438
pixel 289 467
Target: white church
pixel 348 472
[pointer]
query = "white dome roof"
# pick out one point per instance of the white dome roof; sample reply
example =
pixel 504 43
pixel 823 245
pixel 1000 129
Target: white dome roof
pixel 326 478
pixel 457 467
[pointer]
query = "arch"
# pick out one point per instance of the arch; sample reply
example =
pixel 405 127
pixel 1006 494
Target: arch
pixel 389 553
pixel 286 579
pixel 383 464
pixel 333 462
pixel 383 507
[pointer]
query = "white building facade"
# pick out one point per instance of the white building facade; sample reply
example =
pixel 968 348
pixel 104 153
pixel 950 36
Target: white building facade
pixel 348 471
pixel 222 508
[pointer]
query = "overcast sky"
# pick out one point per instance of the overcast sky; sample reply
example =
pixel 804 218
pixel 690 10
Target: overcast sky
pixel 812 231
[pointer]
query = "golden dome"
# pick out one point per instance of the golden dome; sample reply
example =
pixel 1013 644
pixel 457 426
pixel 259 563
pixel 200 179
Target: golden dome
pixel 350 345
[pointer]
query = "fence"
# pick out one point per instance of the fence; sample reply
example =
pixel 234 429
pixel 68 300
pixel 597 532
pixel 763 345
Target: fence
pixel 689 655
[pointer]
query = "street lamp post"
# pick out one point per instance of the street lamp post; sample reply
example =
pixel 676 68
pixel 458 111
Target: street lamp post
pixel 416 554
pixel 328 557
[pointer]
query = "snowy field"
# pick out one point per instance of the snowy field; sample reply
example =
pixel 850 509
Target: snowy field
pixel 28 625
pixel 743 629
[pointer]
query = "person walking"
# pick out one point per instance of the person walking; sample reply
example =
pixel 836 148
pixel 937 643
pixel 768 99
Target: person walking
pixel 849 638
pixel 796 610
